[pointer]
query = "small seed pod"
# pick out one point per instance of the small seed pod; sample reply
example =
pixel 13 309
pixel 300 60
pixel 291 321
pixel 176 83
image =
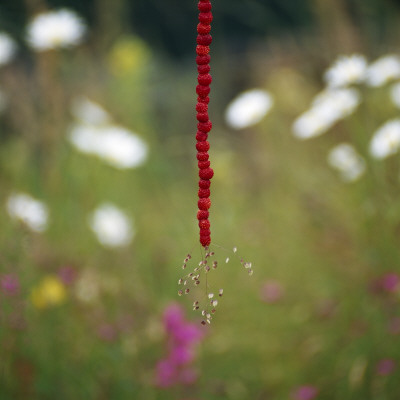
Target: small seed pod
pixel 204 204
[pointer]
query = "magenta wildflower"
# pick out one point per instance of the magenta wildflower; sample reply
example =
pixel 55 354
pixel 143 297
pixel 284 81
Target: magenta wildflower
pixel 385 367
pixel 67 275
pixel 306 392
pixel 9 285
pixel 107 332
pixel 390 282
pixel 183 336
pixel 271 292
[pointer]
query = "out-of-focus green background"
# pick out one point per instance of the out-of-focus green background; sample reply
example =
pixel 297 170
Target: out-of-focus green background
pixel 319 318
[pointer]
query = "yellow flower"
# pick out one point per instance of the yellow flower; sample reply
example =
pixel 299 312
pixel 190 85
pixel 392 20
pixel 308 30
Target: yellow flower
pixel 129 55
pixel 50 292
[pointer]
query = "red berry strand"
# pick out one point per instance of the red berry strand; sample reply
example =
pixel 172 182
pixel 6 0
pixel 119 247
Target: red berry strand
pixel 204 125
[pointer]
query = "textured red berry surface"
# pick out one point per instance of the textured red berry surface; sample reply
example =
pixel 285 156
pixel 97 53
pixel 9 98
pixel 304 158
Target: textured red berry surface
pixel 204 183
pixel 203 29
pixel 204 203
pixel 205 40
pixel 203 69
pixel 203 146
pixel 204 126
pixel 202 117
pixel 201 60
pixel 206 173
pixel 202 156
pixel 204 224
pixel 203 165
pixel 204 6
pixel 205 18
pixel 204 79
pixel 205 240
pixel 201 137
pixel 202 50
pixel 201 107
pixel 204 193
pixel 202 214
pixel 202 91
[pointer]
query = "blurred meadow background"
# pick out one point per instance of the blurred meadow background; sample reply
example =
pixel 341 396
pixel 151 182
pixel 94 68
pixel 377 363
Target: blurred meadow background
pixel 98 195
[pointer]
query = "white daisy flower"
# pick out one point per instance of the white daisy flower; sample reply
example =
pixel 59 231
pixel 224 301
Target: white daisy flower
pixel 8 48
pixel 395 94
pixel 117 146
pixel 111 226
pixel 346 70
pixel 386 140
pixel 89 112
pixel 327 108
pixel 383 70
pixel 248 108
pixel 30 211
pixel 54 29
pixel 347 161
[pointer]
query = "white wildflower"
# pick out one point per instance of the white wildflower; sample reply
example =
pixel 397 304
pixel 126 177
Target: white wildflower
pixel 346 70
pixel 89 112
pixel 347 161
pixel 248 108
pixel 395 94
pixel 54 29
pixel 117 146
pixel 32 212
pixel 111 226
pixel 327 108
pixel 386 140
pixel 7 48
pixel 383 70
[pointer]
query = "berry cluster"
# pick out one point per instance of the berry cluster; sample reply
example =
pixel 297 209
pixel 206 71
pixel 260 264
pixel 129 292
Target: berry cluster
pixel 204 124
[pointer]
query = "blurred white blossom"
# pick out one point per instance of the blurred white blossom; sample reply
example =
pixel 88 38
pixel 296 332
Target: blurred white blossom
pixel 118 146
pixel 346 70
pixel 111 226
pixel 89 112
pixel 386 140
pixel 32 212
pixel 8 48
pixel 54 29
pixel 347 161
pixel 395 94
pixel 327 108
pixel 383 70
pixel 248 108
